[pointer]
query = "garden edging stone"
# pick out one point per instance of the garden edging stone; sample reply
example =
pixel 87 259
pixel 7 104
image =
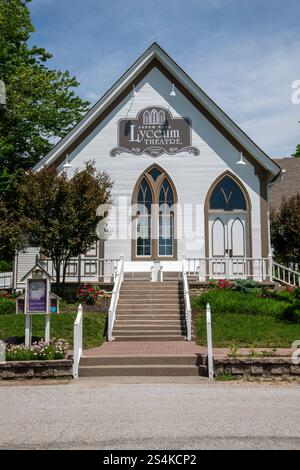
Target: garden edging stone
pixel 36 369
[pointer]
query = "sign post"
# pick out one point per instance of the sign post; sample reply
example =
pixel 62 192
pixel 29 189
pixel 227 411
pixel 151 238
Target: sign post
pixel 37 299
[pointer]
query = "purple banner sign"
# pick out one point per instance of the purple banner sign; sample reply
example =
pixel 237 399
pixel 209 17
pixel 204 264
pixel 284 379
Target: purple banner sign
pixel 37 296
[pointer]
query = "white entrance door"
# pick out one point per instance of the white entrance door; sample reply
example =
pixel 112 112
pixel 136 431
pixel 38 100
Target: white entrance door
pixel 227 236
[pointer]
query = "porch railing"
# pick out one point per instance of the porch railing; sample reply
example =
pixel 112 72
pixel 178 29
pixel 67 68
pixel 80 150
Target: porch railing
pixel 229 268
pixel 77 341
pixel 187 303
pixel 85 269
pixel 286 275
pixel 114 298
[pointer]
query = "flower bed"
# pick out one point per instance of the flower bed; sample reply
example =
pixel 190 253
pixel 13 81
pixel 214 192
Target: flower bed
pixel 91 294
pixel 55 349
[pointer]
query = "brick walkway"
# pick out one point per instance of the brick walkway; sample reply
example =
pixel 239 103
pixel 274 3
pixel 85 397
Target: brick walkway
pixel 167 348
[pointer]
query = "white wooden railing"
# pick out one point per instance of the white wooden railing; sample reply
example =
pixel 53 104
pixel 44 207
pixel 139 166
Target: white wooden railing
pixel 229 268
pixel 87 269
pixel 285 275
pixel 6 280
pixel 115 297
pixel 77 341
pixel 187 302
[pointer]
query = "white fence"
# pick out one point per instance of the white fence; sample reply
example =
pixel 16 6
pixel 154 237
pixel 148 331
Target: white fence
pixel 85 269
pixel 114 298
pixel 203 269
pixel 6 280
pixel 77 341
pixel 285 275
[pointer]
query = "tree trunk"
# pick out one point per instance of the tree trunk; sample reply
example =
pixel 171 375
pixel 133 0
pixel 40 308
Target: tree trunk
pixel 65 265
pixel 57 263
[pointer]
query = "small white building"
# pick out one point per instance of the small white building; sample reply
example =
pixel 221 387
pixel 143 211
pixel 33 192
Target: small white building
pixel 187 180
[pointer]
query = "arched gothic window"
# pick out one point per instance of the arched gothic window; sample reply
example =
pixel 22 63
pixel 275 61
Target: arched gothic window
pixel 154 203
pixel 227 196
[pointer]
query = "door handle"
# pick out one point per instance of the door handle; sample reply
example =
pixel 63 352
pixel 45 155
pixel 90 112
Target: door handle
pixel 230 253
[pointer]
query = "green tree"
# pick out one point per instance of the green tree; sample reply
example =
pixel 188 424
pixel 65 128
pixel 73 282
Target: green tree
pixel 285 231
pixel 297 151
pixel 41 105
pixel 60 214
pixel 12 236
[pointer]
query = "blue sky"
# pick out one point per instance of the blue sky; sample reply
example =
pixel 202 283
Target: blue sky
pixel 243 53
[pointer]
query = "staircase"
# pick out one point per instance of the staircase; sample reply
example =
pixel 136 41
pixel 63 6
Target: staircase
pixel 141 365
pixel 149 336
pixel 150 311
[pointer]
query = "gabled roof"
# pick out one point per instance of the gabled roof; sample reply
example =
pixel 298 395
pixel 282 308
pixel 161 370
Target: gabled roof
pixel 37 265
pixel 155 56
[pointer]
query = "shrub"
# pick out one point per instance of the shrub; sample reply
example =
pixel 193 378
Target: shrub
pixel 224 301
pixel 89 295
pixel 6 266
pixel 219 284
pixel 7 306
pixel 69 295
pixel 296 293
pixel 283 295
pixel 244 285
pixel 291 314
pixel 55 349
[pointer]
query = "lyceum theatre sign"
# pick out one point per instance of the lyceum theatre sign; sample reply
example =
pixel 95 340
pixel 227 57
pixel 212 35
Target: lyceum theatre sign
pixel 154 132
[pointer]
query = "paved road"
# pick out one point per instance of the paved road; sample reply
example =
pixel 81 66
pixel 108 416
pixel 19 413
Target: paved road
pixel 105 414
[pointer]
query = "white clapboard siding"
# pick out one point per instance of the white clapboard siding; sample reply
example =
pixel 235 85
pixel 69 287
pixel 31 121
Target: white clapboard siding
pixel 24 262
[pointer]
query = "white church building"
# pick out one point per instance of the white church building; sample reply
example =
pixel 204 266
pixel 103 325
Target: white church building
pixel 188 182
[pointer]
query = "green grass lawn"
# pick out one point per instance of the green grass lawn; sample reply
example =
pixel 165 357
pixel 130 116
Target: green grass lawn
pixel 244 330
pixel 61 327
pixel 245 319
pixel 223 301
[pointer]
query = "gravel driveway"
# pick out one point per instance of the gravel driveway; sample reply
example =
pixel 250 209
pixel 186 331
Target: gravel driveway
pixel 107 414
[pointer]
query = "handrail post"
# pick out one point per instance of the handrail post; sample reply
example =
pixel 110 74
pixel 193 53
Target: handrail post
pixel 115 297
pixel 209 343
pixel 226 266
pixel 270 258
pixel 77 341
pixel 187 304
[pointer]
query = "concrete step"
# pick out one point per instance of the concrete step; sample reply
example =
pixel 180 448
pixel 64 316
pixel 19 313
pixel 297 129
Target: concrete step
pixel 149 337
pixel 138 370
pixel 146 282
pixel 143 327
pixel 155 286
pixel 149 290
pixel 150 316
pixel 163 299
pixel 147 306
pixel 192 360
pixel 147 332
pixel 148 323
pixel 150 301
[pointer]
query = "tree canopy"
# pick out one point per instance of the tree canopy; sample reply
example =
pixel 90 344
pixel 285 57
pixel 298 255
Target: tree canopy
pixel 285 231
pixel 297 151
pixel 58 214
pixel 41 105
